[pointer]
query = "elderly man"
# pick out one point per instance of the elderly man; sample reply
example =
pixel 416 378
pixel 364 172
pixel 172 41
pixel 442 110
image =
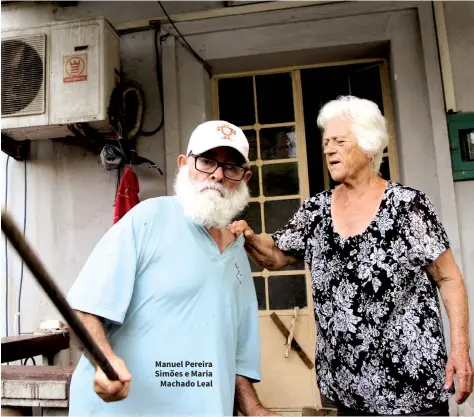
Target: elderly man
pixel 377 254
pixel 168 295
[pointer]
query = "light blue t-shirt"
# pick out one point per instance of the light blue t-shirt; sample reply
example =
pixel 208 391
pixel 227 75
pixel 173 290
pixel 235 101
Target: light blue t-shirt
pixel 182 316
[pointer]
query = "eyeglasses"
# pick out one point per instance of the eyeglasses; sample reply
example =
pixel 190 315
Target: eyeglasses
pixel 209 166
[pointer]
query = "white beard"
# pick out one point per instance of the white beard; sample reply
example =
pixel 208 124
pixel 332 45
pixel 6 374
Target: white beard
pixel 210 208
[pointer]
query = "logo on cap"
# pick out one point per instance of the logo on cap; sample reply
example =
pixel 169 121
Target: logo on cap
pixel 227 131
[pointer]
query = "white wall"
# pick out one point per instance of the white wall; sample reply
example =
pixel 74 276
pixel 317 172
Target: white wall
pixel 70 197
pixel 459 25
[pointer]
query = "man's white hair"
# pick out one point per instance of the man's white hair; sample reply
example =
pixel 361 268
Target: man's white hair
pixel 368 124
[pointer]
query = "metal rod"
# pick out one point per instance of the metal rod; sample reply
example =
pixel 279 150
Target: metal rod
pixel 38 270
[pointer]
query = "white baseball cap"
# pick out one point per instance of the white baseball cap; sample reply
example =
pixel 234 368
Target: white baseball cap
pixel 216 133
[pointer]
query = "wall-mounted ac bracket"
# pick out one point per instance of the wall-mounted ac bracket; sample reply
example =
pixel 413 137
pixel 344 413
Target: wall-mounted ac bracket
pixel 18 150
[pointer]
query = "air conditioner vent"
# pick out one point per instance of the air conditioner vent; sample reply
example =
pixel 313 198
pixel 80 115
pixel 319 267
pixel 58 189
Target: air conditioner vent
pixel 23 74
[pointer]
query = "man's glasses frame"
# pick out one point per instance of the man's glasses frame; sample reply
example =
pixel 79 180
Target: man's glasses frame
pixel 201 158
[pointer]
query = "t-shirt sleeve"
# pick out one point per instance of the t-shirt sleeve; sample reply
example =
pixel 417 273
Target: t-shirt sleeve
pixel 292 237
pixel 426 236
pixel 248 343
pixel 105 284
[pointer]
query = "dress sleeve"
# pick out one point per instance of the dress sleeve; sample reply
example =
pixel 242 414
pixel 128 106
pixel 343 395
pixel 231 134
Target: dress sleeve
pixel 426 236
pixel 292 238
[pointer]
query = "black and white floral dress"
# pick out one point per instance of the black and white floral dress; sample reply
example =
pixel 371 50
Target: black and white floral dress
pixel 380 346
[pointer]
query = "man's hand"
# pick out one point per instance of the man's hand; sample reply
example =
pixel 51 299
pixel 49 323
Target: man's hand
pixel 459 363
pixel 109 390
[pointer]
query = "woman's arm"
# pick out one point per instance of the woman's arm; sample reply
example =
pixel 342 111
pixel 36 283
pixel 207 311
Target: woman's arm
pixel 448 278
pixel 261 248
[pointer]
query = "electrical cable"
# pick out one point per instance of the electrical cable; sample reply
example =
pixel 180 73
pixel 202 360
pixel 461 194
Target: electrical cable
pixel 6 250
pixel 206 66
pixel 32 359
pixel 159 79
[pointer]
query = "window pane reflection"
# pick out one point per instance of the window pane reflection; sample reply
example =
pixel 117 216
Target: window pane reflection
pixel 236 104
pixel 253 183
pixel 466 140
pixel 278 213
pixel 287 292
pixel 280 179
pixel 385 168
pixel 260 290
pixel 296 267
pixel 252 138
pixel 278 143
pixel 274 98
pixel 252 216
pixel 253 266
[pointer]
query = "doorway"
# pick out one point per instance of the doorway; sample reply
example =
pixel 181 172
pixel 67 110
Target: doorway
pixel 277 110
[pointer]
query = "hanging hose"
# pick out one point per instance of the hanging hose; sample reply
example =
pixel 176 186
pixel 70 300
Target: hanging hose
pixel 126 109
pixel 159 79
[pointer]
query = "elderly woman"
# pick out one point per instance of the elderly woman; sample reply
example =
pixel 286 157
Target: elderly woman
pixel 377 254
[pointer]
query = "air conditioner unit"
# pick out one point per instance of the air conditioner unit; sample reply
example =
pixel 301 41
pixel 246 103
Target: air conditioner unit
pixel 57 75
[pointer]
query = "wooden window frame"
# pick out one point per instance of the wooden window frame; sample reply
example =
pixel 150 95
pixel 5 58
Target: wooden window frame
pixel 301 158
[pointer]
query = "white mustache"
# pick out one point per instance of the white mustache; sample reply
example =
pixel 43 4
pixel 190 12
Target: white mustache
pixel 208 208
pixel 212 186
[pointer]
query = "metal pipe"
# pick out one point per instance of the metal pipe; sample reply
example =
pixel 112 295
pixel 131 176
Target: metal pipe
pixel 444 56
pixel 16 238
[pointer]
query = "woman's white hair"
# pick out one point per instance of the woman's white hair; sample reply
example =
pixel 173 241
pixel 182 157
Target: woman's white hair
pixel 368 124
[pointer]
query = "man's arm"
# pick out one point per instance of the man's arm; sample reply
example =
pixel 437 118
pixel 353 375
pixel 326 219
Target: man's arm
pixel 107 390
pixel 247 399
pixel 451 286
pixel 94 326
pixel 261 248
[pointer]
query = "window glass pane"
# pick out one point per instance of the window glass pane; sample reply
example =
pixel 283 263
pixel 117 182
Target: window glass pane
pixel 466 140
pixel 252 138
pixel 278 143
pixel 253 182
pixel 280 179
pixel 364 82
pixel 296 267
pixel 274 98
pixel 278 213
pixel 260 290
pixel 252 216
pixel 253 266
pixel 385 168
pixel 287 292
pixel 236 104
